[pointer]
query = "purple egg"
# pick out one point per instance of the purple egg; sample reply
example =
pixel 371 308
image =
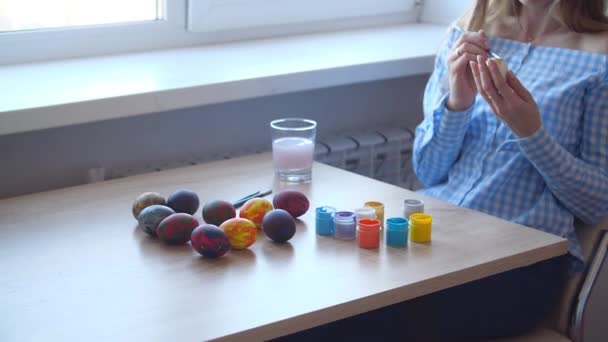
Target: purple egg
pixel 183 201
pixel 210 241
pixel 279 225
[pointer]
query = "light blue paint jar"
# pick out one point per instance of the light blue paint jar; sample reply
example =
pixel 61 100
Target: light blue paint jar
pixel 396 232
pixel 345 225
pixel 324 222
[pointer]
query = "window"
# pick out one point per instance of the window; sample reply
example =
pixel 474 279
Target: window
pixel 223 15
pixel 38 30
pixel 18 15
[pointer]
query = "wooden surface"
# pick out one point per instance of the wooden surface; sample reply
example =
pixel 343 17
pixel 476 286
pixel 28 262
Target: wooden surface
pixel 75 266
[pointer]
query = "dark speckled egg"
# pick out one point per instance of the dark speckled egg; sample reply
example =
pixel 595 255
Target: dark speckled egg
pixel 183 201
pixel 151 216
pixel 176 229
pixel 292 201
pixel 210 241
pixel 218 211
pixel 279 225
pixel 145 200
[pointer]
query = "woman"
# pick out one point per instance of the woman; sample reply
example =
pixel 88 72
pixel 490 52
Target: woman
pixel 531 147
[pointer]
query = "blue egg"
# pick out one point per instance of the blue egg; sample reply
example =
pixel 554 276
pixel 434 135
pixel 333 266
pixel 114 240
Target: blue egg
pixel 151 216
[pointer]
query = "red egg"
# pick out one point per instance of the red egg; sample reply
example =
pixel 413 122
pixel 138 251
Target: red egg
pixel 292 201
pixel 216 212
pixel 210 241
pixel 177 228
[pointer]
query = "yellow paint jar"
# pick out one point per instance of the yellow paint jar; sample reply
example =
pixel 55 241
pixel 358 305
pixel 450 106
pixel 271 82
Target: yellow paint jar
pixel 379 208
pixel 420 227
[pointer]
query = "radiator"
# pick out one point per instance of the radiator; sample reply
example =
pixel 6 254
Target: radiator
pixel 383 153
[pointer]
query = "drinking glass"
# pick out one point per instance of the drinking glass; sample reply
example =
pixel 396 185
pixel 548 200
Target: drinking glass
pixel 293 146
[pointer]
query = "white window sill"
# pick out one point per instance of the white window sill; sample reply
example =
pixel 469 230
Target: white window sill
pixel 59 93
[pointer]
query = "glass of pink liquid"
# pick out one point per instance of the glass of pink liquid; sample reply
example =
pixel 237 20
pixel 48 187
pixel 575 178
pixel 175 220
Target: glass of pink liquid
pixel 293 146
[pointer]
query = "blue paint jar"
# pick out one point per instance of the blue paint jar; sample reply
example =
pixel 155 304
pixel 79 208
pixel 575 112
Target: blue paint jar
pixel 345 225
pixel 396 232
pixel 324 222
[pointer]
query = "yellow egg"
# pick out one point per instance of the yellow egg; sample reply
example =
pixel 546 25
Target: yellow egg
pixel 241 232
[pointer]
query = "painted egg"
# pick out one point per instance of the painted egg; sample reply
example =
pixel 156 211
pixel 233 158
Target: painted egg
pixel 216 212
pixel 176 229
pixel 279 225
pixel 292 201
pixel 183 201
pixel 502 66
pixel 255 209
pixel 241 232
pixel 145 200
pixel 210 241
pixel 151 216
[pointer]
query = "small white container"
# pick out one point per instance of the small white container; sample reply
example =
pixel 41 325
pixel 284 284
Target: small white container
pixel 411 206
pixel 365 212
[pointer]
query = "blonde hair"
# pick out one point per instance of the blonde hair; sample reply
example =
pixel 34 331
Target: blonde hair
pixel 587 16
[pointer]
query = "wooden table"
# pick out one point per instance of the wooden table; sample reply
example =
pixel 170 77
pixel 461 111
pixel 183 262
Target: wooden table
pixel 74 266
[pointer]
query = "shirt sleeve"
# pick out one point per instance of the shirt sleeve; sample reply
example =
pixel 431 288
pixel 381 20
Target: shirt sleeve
pixel 439 136
pixel 580 182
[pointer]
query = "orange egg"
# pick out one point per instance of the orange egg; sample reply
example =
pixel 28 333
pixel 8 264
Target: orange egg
pixel 255 209
pixel 241 232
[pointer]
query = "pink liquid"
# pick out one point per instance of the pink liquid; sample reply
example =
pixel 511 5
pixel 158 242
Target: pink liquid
pixel 292 153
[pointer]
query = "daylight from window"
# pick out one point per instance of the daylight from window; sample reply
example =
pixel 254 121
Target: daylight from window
pixel 18 15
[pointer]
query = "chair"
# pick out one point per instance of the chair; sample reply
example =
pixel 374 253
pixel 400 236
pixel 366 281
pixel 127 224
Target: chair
pixel 582 310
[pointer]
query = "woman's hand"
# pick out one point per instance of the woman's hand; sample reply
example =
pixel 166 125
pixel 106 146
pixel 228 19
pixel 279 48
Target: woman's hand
pixel 462 85
pixel 508 98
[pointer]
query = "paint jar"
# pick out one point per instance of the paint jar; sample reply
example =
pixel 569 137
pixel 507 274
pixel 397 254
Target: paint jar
pixel 420 227
pixel 411 206
pixel 345 225
pixel 396 232
pixel 368 233
pixel 365 212
pixel 324 222
pixel 379 208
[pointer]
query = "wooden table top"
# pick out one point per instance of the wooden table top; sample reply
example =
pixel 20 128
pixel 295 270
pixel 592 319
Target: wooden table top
pixel 75 266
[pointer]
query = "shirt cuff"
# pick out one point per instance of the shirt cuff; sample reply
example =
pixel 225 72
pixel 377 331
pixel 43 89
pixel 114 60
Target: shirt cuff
pixel 454 122
pixel 455 113
pixel 544 152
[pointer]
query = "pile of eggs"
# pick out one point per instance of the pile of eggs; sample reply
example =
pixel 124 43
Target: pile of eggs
pixel 172 220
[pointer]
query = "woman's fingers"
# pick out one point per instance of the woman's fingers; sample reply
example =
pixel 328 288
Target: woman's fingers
pixel 465 48
pixel 500 83
pixel 477 78
pixel 463 61
pixel 519 88
pixel 487 84
pixel 476 38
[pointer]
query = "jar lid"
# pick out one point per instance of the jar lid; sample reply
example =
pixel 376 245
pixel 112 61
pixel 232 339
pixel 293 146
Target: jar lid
pixel 421 219
pixel 374 204
pixel 325 212
pixel 366 211
pixel 345 217
pixel 413 203
pixel 396 223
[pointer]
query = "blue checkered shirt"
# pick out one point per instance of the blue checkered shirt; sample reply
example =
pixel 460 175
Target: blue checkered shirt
pixel 472 159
